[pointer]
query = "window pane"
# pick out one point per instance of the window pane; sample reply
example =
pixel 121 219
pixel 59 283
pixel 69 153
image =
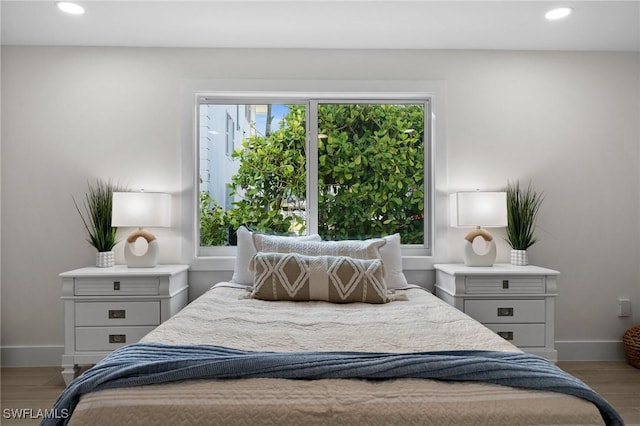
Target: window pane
pixel 371 171
pixel 253 171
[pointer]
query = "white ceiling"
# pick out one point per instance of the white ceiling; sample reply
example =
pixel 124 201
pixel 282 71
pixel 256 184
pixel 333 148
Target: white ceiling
pixel 393 24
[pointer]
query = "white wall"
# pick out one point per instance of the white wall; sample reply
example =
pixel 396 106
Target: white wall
pixel 568 121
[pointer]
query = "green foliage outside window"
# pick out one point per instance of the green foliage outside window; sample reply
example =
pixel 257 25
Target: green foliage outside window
pixel 370 171
pixel 272 178
pixel 214 222
pixel 370 176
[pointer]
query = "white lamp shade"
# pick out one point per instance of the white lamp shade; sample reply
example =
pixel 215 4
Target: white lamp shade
pixel 141 209
pixel 478 208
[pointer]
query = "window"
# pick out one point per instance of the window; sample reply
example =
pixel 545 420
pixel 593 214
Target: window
pixel 344 168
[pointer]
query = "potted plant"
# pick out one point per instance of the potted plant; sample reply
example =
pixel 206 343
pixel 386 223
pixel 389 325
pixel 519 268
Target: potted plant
pixel 96 217
pixel 523 205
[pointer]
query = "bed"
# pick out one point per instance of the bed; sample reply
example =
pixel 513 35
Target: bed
pixel 415 321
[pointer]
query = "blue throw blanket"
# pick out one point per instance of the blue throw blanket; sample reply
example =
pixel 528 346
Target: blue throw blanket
pixel 147 363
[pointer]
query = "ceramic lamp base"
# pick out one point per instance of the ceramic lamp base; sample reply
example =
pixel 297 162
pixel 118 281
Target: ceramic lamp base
pixel 148 259
pixel 471 257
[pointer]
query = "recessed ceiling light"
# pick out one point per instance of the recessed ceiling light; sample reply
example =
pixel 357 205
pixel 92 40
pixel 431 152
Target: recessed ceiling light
pixel 72 8
pixel 559 13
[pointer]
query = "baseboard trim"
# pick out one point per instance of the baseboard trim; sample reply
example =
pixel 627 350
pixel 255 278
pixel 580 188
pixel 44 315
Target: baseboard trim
pixel 31 356
pixel 592 350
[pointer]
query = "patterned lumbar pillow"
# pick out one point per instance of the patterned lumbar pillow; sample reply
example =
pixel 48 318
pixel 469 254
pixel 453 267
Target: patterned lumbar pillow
pixel 338 279
pixel 246 250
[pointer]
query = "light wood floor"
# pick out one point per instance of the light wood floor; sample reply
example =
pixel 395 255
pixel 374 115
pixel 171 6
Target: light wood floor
pixel 37 388
pixel 617 382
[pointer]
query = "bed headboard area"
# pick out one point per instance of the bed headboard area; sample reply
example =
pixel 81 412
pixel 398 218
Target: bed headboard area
pixel 387 249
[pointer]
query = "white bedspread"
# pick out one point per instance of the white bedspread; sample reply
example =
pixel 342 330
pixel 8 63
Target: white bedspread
pixel 417 322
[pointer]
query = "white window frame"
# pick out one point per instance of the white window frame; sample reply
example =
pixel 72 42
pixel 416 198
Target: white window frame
pixel 283 92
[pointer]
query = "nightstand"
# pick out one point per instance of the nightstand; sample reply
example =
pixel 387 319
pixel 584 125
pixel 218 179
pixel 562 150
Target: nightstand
pixel 517 302
pixel 105 308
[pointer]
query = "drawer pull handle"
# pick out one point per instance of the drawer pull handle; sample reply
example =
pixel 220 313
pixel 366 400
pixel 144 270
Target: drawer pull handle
pixel 116 285
pixel 117 313
pixel 117 338
pixel 505 312
pixel 505 284
pixel 506 335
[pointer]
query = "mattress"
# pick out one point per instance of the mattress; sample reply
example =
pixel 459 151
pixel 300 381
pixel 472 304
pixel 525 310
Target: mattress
pixel 416 321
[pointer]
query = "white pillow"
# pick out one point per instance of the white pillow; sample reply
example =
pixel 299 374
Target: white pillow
pixel 246 249
pixel 357 249
pixel 392 261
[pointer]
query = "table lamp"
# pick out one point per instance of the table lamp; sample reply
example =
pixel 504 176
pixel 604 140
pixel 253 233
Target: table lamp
pixel 141 209
pixel 479 209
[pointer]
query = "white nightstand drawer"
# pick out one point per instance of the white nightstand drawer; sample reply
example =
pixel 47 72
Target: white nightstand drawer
pixel 129 286
pixel 516 301
pixel 108 338
pixel 505 285
pixel 505 311
pixel 524 335
pixel 117 313
pixel 105 308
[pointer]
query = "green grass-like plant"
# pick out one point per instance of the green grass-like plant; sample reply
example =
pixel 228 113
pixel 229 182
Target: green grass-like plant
pixel 96 215
pixel 523 205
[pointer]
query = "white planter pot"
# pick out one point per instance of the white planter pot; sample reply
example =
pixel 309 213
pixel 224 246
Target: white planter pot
pixel 519 257
pixel 105 259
